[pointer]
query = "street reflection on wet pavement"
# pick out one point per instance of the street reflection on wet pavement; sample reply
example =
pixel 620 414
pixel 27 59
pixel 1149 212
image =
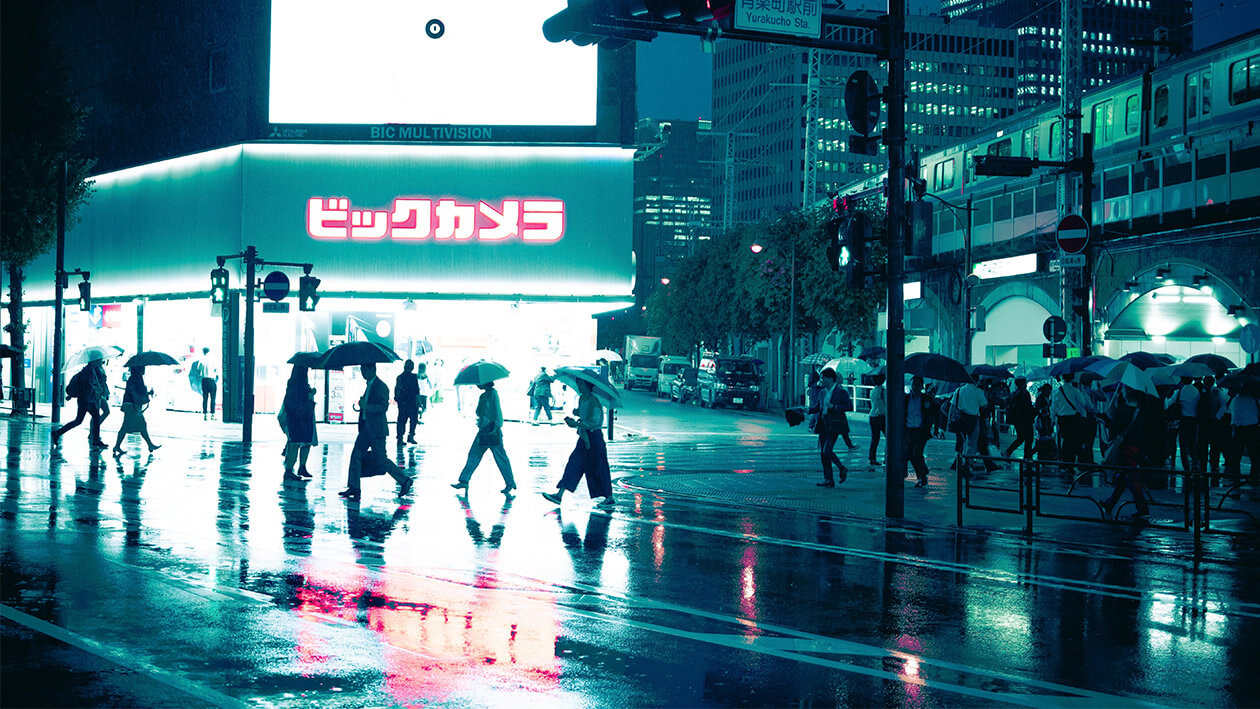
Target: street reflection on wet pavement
pixel 197 576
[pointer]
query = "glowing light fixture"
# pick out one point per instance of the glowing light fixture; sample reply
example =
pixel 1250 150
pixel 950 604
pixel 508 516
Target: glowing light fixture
pixel 1163 274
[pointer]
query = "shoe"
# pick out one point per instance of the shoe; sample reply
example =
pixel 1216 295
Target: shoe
pixel 875 462
pixel 98 444
pixel 921 483
pixel 350 493
pixel 304 474
pixel 461 485
pixel 118 452
pixel 411 439
pixel 153 448
pixel 852 446
pixel 404 487
pixel 551 497
pixel 289 475
pixel 399 442
pixel 508 490
pixel 607 502
pixel 56 438
pixel 826 483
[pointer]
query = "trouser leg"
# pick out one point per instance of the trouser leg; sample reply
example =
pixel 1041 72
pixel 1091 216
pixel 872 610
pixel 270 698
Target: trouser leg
pixel 1186 439
pixel 575 468
pixel 95 426
pixel 505 465
pixel 877 428
pixel 475 452
pixel 357 455
pixel 78 419
pixel 598 476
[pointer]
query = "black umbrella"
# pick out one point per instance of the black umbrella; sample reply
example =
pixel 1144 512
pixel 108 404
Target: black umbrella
pixel 873 353
pixel 990 371
pixel 1246 383
pixel 938 367
pixel 1147 360
pixel 1218 364
pixel 1253 369
pixel 354 354
pixel 306 359
pixel 1072 365
pixel 150 358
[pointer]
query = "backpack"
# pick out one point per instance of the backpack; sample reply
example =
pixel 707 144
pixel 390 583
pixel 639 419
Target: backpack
pixel 78 386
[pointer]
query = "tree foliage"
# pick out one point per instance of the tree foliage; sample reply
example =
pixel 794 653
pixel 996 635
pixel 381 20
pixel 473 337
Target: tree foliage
pixel 724 289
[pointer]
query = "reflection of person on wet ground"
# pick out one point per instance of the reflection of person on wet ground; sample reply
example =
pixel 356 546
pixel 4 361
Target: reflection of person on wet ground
pixel 129 500
pixel 368 457
pixel 590 455
pixel 368 531
pixel 135 400
pixel 489 438
pixel 1130 419
pixel 298 412
pixel 474 527
pixel 586 551
pixel 299 520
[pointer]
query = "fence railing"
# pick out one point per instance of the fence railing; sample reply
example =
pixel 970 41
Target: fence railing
pixel 1194 503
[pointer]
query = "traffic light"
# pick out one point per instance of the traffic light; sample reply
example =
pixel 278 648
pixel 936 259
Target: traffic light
pixel 837 233
pixel 613 23
pixel 85 295
pixel 857 228
pixel 218 285
pixel 1080 301
pixel 1004 166
pixel 307 297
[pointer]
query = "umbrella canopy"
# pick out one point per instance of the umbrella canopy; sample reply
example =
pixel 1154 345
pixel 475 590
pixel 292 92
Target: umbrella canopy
pixel 848 366
pixel 938 367
pixel 608 355
pixel 873 353
pixel 482 372
pixel 1113 370
pixel 1135 378
pixel 990 371
pixel 1163 376
pixel 91 354
pixel 1072 365
pixel 1038 374
pixel 306 359
pixel 1218 364
pixel 1147 360
pixel 353 354
pixel 817 358
pixel 1194 370
pixel 150 358
pixel 1252 369
pixel 603 389
pixel 1246 383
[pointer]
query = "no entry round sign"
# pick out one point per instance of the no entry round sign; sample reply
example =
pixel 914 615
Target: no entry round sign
pixel 1073 234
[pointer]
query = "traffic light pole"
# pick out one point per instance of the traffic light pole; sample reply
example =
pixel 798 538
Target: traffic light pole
pixel 59 322
pixel 895 138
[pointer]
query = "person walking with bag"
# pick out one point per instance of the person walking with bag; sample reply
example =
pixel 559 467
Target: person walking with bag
pixel 407 396
pixel 88 389
pixel 832 424
pixel 1067 405
pixel 590 456
pixel 369 444
pixel 135 400
pixel 1021 414
pixel 540 395
pixel 1184 408
pixel 299 423
pixel 1128 424
pixel 964 420
pixel 489 438
pixel 920 410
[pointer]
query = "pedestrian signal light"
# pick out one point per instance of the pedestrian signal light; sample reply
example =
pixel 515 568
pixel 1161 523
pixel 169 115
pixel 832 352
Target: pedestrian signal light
pixel 1080 301
pixel 218 285
pixel 307 297
pixel 85 296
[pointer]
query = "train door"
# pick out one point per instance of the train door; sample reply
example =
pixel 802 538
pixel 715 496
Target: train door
pixel 1198 99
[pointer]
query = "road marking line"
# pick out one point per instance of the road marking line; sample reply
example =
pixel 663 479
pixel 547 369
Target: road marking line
pixel 119 657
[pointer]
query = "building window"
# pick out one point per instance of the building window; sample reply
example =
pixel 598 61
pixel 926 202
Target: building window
pixel 1160 109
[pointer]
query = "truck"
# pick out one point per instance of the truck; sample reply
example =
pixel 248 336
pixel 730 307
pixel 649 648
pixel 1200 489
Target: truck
pixel 643 355
pixel 668 367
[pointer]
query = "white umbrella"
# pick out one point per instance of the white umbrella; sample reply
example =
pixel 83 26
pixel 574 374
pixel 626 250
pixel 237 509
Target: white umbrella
pixel 91 354
pixel 1163 376
pixel 608 355
pixel 603 389
pixel 848 366
pixel 1135 378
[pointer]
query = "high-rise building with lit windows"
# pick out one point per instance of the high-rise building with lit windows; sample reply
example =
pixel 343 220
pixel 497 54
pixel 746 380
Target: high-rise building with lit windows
pixel 1121 37
pixel 673 197
pixel 960 78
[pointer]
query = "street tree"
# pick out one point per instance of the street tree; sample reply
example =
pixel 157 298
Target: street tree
pixel 40 134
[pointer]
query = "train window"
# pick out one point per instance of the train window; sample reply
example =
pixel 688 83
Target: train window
pixel 947 173
pixel 1047 198
pixel 969 167
pixel 1103 117
pixel 1001 147
pixel 1030 143
pixel 1192 96
pixel 1205 91
pixel 1244 80
pixel 1160 109
pixel 1055 148
pixel 1132 114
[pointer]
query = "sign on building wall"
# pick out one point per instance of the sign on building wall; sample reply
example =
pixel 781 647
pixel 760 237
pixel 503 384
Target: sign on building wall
pixel 802 18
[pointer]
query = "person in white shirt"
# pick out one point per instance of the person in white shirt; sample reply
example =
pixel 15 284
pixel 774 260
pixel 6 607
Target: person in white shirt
pixel 209 371
pixel 879 415
pixel 1184 405
pixel 1212 432
pixel 969 399
pixel 1244 419
pixel 1068 408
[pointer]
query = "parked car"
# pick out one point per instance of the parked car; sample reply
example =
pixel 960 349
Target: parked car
pixel 682 388
pixel 666 370
pixel 729 381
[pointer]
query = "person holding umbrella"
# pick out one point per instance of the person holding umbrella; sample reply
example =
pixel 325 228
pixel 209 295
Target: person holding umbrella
pixel 489 437
pixel 590 456
pixel 369 444
pixel 299 422
pixel 135 400
pixel 90 391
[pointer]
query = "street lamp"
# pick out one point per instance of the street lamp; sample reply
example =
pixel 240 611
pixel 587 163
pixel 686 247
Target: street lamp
pixel 791 387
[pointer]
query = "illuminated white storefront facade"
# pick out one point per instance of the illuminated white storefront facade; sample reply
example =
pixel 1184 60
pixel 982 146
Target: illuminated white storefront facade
pixel 445 253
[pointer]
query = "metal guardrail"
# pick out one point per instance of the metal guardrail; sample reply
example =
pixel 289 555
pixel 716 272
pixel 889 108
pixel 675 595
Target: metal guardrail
pixel 1196 493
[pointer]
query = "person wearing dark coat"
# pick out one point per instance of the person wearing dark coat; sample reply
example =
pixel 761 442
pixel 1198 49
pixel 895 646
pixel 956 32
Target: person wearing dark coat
pixel 135 399
pixel 920 409
pixel 92 398
pixel 1130 427
pixel 833 402
pixel 368 457
pixel 299 423
pixel 1022 415
pixel 407 396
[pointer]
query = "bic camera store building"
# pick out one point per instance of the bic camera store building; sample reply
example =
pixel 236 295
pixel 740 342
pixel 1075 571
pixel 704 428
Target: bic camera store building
pixel 447 254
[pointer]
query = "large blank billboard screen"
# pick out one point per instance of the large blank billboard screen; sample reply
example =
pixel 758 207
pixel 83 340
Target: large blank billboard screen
pixel 446 62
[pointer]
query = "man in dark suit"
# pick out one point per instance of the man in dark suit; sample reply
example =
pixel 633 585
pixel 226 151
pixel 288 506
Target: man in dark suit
pixel 368 457
pixel 407 395
pixel 832 423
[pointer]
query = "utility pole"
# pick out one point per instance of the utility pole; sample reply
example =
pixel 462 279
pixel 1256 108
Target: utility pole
pixel 59 318
pixel 1070 48
pixel 895 138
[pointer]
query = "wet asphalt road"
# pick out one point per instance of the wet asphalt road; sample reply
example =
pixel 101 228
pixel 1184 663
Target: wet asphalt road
pixel 197 577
